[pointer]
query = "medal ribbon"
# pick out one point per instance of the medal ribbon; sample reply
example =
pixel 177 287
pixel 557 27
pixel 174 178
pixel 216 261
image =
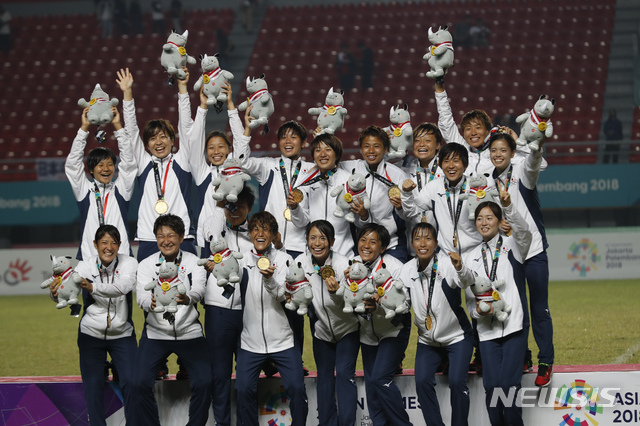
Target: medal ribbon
pixel 432 281
pixel 455 218
pixel 486 297
pixel 171 281
pixel 387 284
pixel 177 261
pixel 317 178
pixel 102 210
pixel 64 275
pixel 535 120
pixel 372 271
pixel 448 44
pixel 256 95
pixel 105 269
pixel 326 107
pixel 214 73
pixel 176 47
pixel 327 262
pixel 224 253
pixel 350 191
pixel 156 175
pixel 431 174
pixel 494 264
pixel 283 172
pixel 238 228
pixel 398 126
pixel 386 181
pixel 230 171
pixel 291 287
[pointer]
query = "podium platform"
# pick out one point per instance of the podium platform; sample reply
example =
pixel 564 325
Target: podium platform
pixel 579 395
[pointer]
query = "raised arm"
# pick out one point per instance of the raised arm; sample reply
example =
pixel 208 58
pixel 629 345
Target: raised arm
pixel 125 81
pixel 520 228
pixel 197 155
pixel 74 167
pixel 185 122
pixel 446 123
pixel 127 168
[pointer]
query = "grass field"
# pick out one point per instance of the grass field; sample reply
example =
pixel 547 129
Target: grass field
pixel 595 322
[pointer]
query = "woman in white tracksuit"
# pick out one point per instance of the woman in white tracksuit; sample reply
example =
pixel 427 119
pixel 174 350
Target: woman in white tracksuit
pixel 335 333
pixel 444 331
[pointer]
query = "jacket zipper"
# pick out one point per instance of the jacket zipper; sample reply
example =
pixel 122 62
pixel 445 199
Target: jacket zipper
pixel 108 320
pixel 326 311
pixel 264 336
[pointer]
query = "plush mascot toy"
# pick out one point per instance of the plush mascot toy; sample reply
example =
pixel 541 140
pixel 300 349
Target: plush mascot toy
pixel 261 100
pixel 226 269
pixel 166 288
pixel 440 56
pixel 174 56
pixel 99 106
pixel 488 295
pixel 331 115
pixel 391 293
pixel 535 126
pixel 356 186
pixel 298 287
pixel 230 181
pixel 67 279
pixel 212 78
pixel 401 132
pixel 357 289
pixel 478 192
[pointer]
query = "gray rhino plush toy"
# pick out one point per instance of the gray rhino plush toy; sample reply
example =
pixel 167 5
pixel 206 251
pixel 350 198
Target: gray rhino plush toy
pixel 356 186
pixel 297 285
pixel 226 269
pixel 261 100
pixel 166 288
pixel 440 56
pixel 535 126
pixel 99 106
pixel 174 55
pixel 401 132
pixel 331 114
pixel 67 279
pixel 391 293
pixel 213 77
pixel 357 289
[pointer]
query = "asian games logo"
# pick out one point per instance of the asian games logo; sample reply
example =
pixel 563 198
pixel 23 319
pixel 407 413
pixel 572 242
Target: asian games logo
pixel 581 400
pixel 585 256
pixel 16 272
pixel 274 409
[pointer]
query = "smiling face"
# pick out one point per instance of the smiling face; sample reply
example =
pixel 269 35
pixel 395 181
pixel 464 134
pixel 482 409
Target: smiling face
pixel 103 171
pixel 319 245
pixel 475 133
pixel 238 217
pixel 217 150
pixel 261 236
pixel 501 154
pixel 107 248
pixel 370 247
pixel 372 150
pixel 424 243
pixel 290 144
pixel 160 144
pixel 425 147
pixel 453 168
pixel 325 157
pixel 168 242
pixel 487 224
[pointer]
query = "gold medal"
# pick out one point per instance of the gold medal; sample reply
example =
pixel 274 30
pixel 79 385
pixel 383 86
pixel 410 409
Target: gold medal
pixel 287 214
pixel 217 258
pixel 161 206
pixel 508 234
pixel 432 49
pixel 331 110
pixel 495 295
pixel 542 126
pixel 327 272
pixel 397 132
pixel 348 197
pixel 380 291
pixel 480 194
pixel 353 287
pixel 298 196
pixel 428 322
pixel 394 191
pixel 182 51
pixel 424 218
pixel 93 101
pixel 205 79
pixel 165 286
pixel 263 263
pixel 455 239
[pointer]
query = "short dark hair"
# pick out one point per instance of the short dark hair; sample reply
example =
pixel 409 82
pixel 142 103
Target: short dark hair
pixel 295 127
pixel 324 226
pixel 503 136
pixel 263 218
pixel 383 233
pixel 217 134
pixel 97 155
pixel 429 129
pixel 110 230
pixel 476 115
pixel 153 127
pixel 495 208
pixel 375 132
pixel 426 226
pixel 451 150
pixel 246 196
pixel 170 221
pixel 331 141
